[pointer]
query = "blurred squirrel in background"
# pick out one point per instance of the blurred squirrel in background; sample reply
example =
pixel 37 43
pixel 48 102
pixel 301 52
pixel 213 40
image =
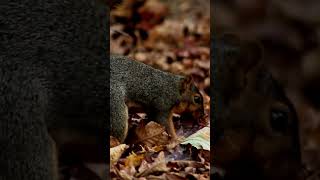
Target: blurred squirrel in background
pixel 256 132
pixel 160 93
pixel 53 66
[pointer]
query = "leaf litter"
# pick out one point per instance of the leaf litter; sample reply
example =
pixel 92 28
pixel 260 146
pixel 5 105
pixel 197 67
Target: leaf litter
pixel 173 37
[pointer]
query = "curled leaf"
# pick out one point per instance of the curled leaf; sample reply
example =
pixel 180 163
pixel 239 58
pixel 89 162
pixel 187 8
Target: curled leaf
pixel 116 152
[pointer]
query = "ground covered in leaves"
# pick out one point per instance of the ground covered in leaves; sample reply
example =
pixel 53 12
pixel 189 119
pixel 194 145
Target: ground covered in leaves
pixel 174 37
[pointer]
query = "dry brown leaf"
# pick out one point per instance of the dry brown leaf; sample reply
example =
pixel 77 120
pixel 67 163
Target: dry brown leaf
pixel 133 160
pixel 169 32
pixel 126 173
pixel 157 148
pixel 159 165
pixel 190 169
pixel 116 152
pixel 121 45
pixel 152 134
pixel 185 163
pixel 175 176
pixel 199 176
pixel 176 67
pixel 151 14
pixel 154 177
pixel 203 64
pixel 125 9
pixel 204 156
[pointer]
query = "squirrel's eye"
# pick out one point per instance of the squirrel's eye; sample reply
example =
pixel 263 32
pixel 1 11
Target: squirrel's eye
pixel 279 120
pixel 197 99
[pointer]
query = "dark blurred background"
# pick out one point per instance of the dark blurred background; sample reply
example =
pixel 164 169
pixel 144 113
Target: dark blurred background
pixel 289 31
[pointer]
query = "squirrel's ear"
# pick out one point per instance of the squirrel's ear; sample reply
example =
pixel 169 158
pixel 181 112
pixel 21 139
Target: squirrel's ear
pixel 186 83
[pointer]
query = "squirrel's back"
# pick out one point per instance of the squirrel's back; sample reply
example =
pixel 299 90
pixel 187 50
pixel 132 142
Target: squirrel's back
pixel 144 84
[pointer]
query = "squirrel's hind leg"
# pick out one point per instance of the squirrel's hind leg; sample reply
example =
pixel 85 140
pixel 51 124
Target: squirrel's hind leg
pixel 118 113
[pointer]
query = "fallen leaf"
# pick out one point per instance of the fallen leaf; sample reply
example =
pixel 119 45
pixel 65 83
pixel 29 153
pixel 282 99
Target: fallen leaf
pixel 200 139
pixel 133 160
pixel 152 134
pixel 181 164
pixel 116 152
pixel 159 165
pixel 126 173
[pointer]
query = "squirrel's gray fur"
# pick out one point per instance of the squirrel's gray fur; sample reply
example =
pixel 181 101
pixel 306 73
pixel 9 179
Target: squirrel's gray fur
pixel 135 81
pixel 53 71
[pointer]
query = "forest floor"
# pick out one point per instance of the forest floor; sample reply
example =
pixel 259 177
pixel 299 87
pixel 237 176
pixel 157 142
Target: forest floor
pixel 172 36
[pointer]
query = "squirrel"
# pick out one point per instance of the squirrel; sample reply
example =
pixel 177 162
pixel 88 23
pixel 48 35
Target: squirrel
pixel 256 133
pixel 53 66
pixel 160 93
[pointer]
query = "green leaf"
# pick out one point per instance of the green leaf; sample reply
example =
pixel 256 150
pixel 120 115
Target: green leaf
pixel 200 139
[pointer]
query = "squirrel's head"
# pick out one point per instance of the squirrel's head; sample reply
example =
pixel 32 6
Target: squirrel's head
pixel 256 131
pixel 191 100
